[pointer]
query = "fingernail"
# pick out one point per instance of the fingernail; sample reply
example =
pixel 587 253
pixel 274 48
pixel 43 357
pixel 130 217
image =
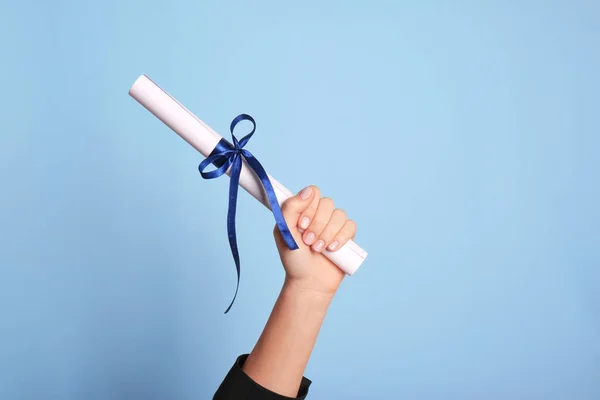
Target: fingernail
pixel 319 245
pixel 310 237
pixel 304 222
pixel 334 245
pixel 305 193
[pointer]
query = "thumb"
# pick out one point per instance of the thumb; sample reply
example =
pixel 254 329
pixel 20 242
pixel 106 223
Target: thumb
pixel 296 205
pixel 293 207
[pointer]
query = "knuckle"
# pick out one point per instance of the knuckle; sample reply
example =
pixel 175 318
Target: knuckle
pixel 286 205
pixel 339 213
pixel 351 224
pixel 327 201
pixel 289 204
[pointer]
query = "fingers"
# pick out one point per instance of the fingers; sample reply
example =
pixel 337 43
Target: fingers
pixel 331 230
pixel 296 205
pixel 346 233
pixel 309 213
pixel 322 225
pixel 319 221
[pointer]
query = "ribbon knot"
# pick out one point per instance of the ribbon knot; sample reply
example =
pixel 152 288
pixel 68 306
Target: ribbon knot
pixel 226 155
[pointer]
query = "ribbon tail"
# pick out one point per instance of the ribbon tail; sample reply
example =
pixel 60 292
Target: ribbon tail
pixel 233 192
pixel 279 219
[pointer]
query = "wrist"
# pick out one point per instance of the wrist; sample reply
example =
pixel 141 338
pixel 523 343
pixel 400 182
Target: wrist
pixel 304 292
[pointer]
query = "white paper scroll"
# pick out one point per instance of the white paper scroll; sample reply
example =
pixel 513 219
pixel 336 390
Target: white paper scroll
pixel 204 139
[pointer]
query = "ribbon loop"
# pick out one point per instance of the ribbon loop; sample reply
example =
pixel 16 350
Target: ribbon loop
pixel 237 120
pixel 227 155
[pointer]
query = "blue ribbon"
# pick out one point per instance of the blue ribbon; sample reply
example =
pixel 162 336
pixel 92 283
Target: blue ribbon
pixel 227 155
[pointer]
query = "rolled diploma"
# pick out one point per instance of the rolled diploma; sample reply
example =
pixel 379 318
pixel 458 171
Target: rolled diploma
pixel 204 139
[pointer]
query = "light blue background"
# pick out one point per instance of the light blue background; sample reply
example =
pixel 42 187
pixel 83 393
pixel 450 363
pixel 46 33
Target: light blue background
pixel 463 138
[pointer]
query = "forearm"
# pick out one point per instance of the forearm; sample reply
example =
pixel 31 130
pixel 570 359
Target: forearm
pixel 279 358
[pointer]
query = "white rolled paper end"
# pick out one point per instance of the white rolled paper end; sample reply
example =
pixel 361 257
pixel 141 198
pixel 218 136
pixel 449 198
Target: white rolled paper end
pixel 204 139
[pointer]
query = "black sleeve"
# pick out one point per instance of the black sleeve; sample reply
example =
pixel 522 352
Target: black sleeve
pixel 238 386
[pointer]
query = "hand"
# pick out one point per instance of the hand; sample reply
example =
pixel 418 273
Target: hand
pixel 316 225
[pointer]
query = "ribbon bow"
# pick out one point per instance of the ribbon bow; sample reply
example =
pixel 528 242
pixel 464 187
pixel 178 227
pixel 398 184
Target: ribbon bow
pixel 227 155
